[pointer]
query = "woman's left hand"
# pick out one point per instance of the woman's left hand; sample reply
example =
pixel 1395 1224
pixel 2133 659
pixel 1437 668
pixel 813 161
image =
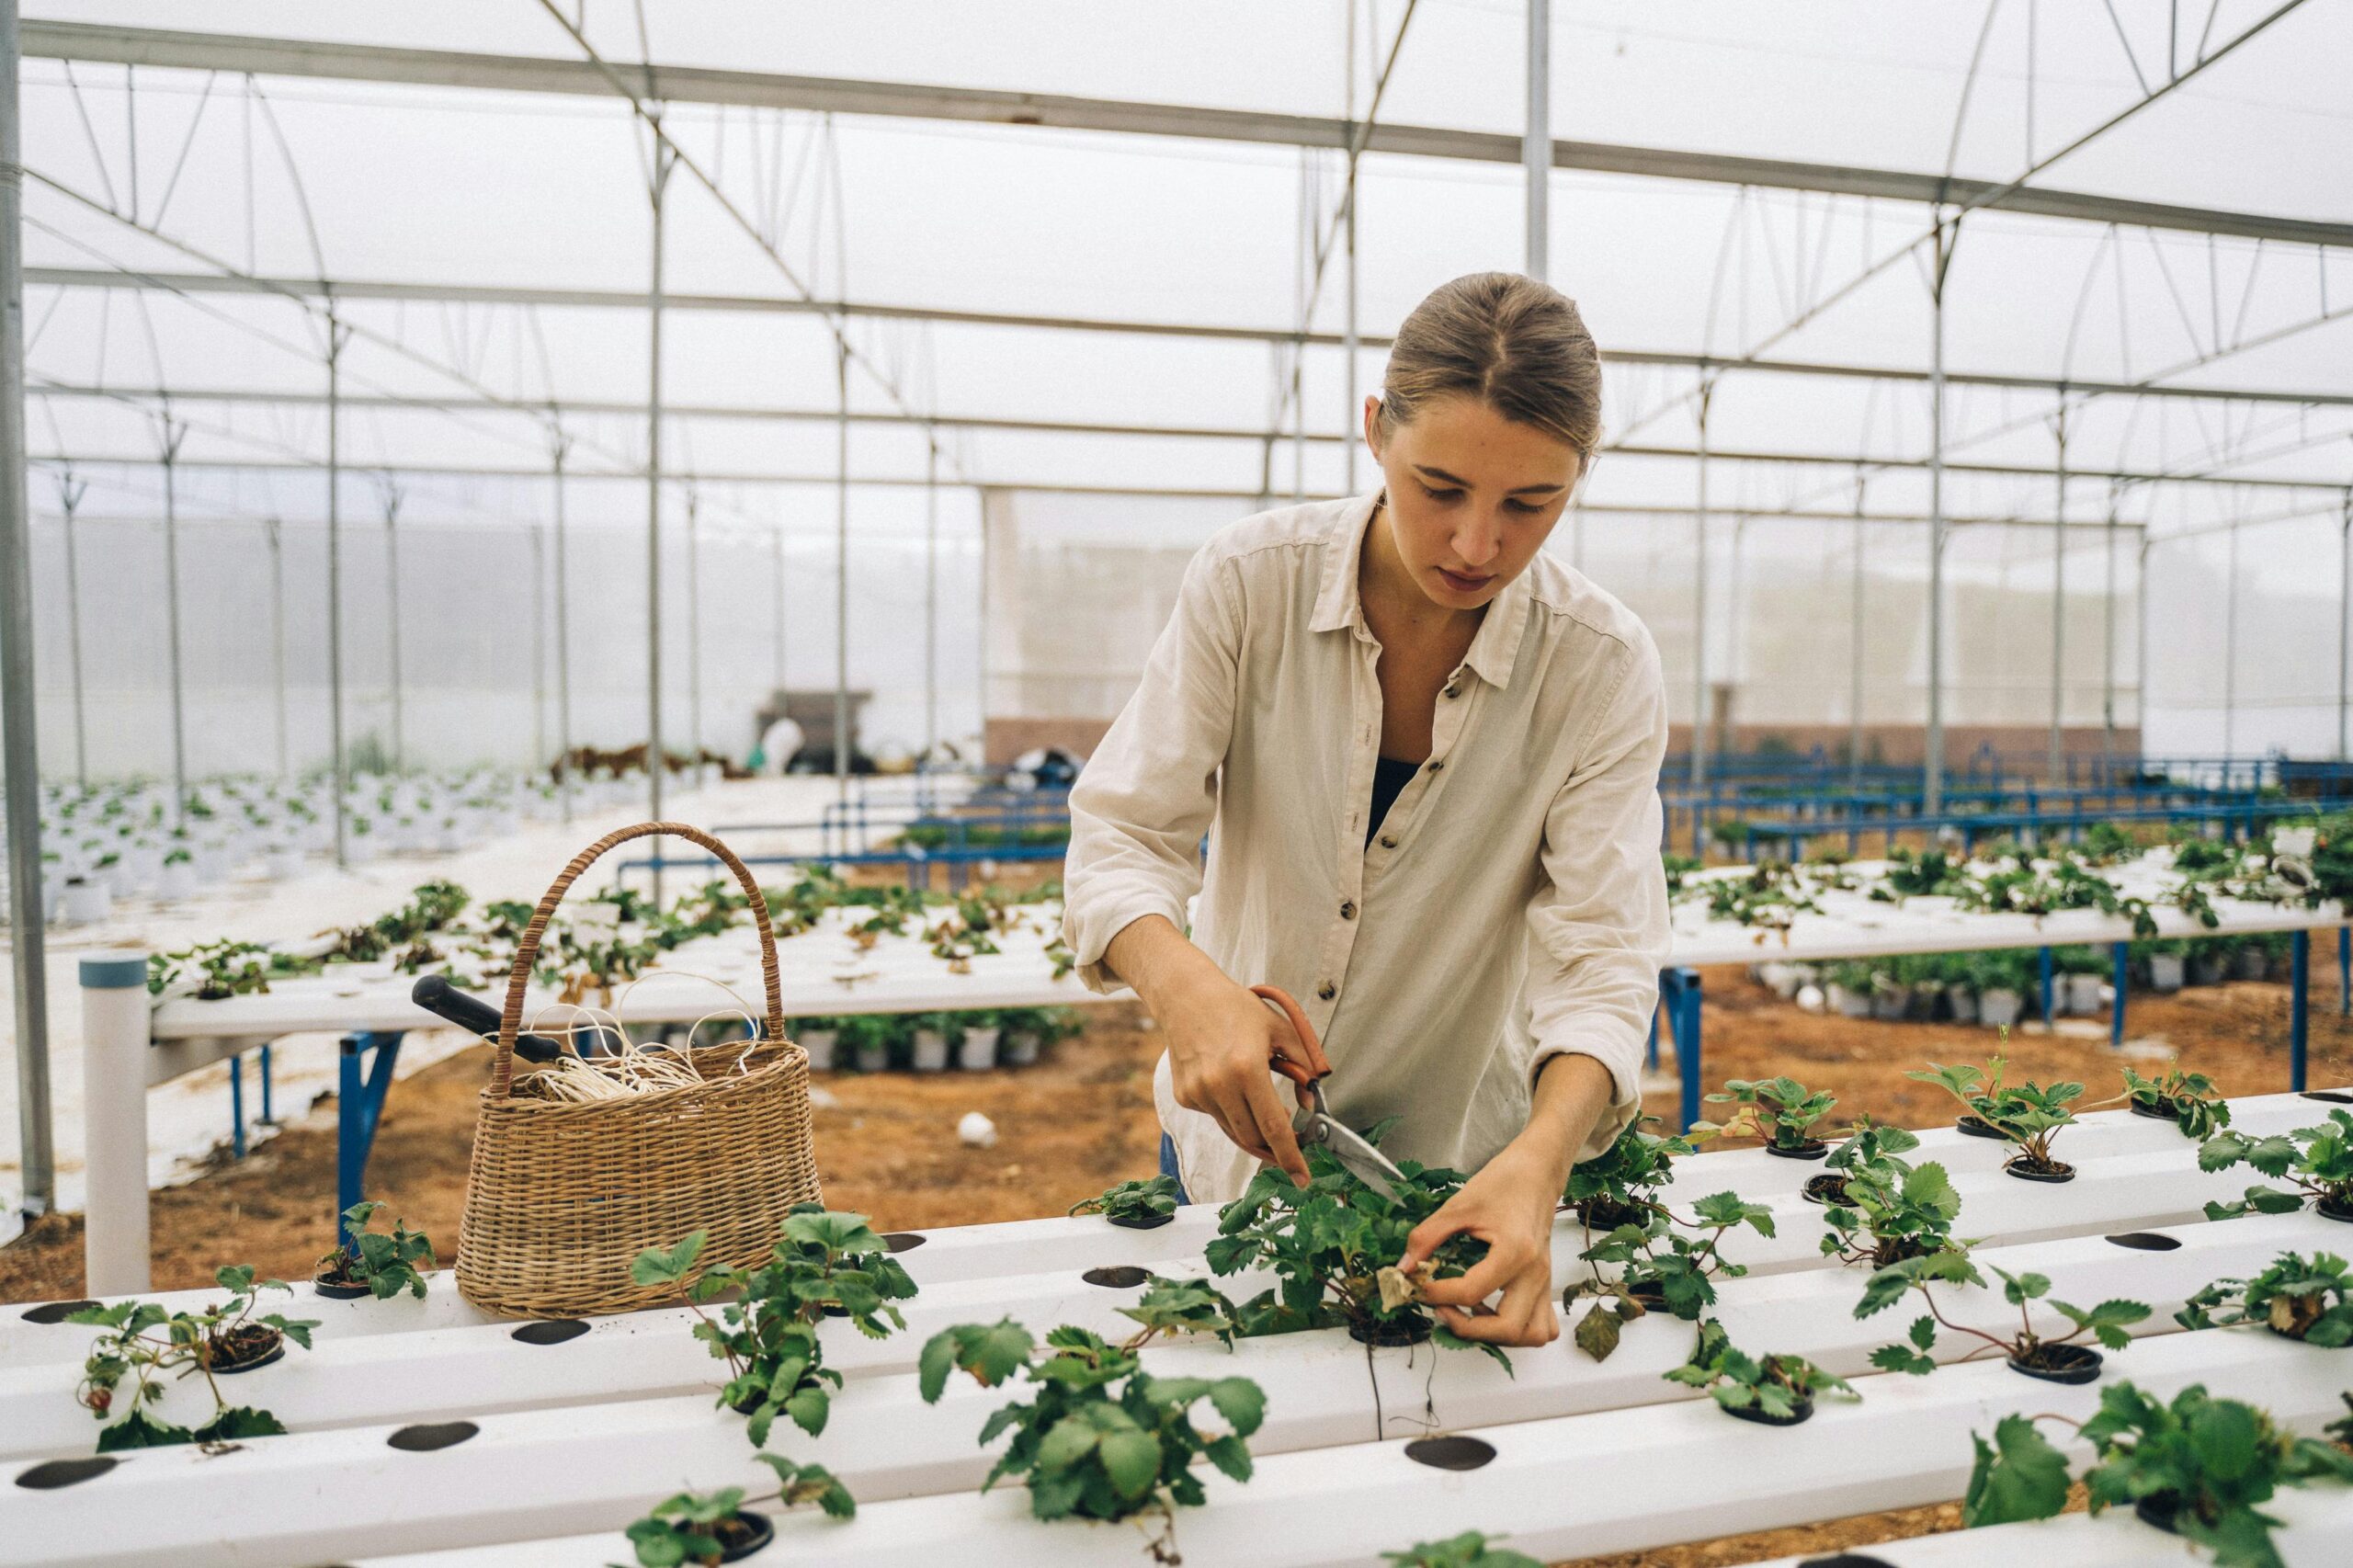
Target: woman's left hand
pixel 1509 1205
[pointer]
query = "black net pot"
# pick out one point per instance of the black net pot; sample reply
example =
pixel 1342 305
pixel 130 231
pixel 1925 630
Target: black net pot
pixel 1812 1149
pixel 751 1532
pixel 1827 1189
pixel 334 1288
pixel 1390 1331
pixel 2058 1171
pixel 2060 1364
pixel 1650 1295
pixel 255 1344
pixel 1148 1223
pixel 2334 1209
pixel 2162 1110
pixel 1608 1213
pixel 1802 1410
pixel 2158 1510
pixel 1974 1127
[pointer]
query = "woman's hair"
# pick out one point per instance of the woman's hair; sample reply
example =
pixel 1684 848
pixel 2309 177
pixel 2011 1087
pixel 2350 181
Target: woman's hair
pixel 1515 344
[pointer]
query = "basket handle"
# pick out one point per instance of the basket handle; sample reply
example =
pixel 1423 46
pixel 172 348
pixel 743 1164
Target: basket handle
pixel 527 951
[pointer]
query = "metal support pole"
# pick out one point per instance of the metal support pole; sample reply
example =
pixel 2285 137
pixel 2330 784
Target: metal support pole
pixel 656 760
pixel 1932 765
pixel 275 531
pixel 1536 143
pixel 392 618
pixel 2059 599
pixel 931 591
pixel 1352 425
pixel 2231 648
pixel 1855 652
pixel 841 570
pixel 172 437
pixel 2107 635
pixel 114 1122
pixel 2121 967
pixel 1699 602
pixel 538 650
pixel 1735 630
pixel 694 629
pixel 2299 977
pixel 562 630
pixel 336 337
pixel 19 750
pixel 2343 618
pixel 70 490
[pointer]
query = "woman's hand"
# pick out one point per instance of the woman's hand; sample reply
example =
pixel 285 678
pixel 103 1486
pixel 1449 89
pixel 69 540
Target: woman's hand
pixel 1221 1038
pixel 1509 1206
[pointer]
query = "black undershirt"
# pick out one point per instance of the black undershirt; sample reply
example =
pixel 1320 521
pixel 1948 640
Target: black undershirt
pixel 1390 778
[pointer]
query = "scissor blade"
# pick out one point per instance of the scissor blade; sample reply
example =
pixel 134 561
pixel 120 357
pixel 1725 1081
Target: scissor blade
pixel 1361 1160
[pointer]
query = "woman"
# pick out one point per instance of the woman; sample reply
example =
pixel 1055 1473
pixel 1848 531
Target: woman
pixel 1427 756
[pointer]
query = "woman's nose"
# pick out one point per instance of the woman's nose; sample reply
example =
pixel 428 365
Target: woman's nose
pixel 1477 546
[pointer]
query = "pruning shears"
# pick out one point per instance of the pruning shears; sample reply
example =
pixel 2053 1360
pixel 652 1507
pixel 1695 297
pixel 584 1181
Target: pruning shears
pixel 1314 1122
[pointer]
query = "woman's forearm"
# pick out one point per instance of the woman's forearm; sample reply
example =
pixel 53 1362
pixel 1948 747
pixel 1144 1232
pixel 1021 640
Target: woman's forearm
pixel 1159 963
pixel 1572 1093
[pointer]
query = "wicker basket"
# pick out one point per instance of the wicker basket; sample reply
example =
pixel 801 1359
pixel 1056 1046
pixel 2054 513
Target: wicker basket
pixel 560 1197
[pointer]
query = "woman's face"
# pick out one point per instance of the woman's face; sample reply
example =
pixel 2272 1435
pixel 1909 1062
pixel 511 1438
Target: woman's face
pixel 1471 496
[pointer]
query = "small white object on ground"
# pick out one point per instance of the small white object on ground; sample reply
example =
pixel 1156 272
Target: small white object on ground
pixel 977 1131
pixel 1810 998
pixel 823 1098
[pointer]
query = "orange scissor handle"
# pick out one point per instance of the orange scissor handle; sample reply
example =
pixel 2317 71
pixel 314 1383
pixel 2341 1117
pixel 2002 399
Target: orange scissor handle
pixel 1305 1071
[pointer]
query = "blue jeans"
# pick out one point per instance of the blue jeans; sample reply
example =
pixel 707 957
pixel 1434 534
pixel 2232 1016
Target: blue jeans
pixel 1168 1167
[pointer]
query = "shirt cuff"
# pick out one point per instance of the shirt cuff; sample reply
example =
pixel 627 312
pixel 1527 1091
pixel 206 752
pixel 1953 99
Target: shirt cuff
pixel 1087 931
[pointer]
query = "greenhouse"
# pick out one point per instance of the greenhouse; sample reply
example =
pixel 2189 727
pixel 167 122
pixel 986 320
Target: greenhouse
pixel 1583 769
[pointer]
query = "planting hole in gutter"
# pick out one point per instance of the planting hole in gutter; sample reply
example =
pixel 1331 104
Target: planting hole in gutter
pixel 1450 1453
pixel 51 1474
pixel 1127 1276
pixel 2335 1096
pixel 56 1312
pixel 2145 1241
pixel 1847 1560
pixel 431 1434
pixel 903 1241
pixel 551 1331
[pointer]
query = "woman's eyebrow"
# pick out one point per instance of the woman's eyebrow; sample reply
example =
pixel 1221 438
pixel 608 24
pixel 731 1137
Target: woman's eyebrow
pixel 1440 474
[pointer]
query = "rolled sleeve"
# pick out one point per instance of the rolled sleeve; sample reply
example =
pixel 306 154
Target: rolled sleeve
pixel 1149 792
pixel 1599 929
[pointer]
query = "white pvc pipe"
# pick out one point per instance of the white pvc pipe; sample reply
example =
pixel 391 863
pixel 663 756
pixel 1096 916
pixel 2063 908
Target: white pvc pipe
pixel 114 1121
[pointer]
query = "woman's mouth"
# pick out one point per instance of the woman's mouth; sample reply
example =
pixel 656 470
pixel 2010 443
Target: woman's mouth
pixel 1462 584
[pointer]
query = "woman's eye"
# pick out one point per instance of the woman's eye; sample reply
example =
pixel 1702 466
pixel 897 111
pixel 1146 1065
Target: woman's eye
pixel 1526 506
pixel 1441 494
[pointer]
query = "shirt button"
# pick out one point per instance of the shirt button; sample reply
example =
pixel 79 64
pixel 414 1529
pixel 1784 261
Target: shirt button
pixel 1348 910
pixel 1326 991
pixel 1388 841
pixel 1437 765
pixel 1454 691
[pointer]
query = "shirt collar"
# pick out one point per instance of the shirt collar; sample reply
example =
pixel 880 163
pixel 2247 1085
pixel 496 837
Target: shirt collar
pixel 1337 606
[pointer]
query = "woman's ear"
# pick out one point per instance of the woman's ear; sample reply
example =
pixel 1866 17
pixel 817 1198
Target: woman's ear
pixel 1372 424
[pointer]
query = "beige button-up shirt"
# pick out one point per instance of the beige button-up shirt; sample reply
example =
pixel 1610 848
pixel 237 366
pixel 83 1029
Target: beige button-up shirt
pixel 1513 906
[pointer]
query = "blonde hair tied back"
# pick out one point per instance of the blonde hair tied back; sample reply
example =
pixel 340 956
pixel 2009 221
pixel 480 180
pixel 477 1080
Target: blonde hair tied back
pixel 1514 343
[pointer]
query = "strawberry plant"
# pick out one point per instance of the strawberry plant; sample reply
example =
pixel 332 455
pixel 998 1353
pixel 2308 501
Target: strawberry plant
pixel 824 1264
pixel 1138 1204
pixel 705 1527
pixel 1333 1245
pixel 2029 1114
pixel 2190 1099
pixel 374 1264
pixel 1617 1185
pixel 1679 1279
pixel 1469 1550
pixel 1780 1110
pixel 2200 1466
pixel 2311 1300
pixel 1776 1390
pixel 1103 1439
pixel 215 1341
pixel 2318 1160
pixel 1886 1208
pixel 1181 1306
pixel 2059 1359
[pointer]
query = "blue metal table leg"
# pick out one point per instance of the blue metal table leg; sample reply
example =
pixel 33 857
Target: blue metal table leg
pixel 2049 1019
pixel 1680 990
pixel 238 1105
pixel 2116 1012
pixel 2299 949
pixel 1653 1052
pixel 268 1118
pixel 2344 970
pixel 359 1105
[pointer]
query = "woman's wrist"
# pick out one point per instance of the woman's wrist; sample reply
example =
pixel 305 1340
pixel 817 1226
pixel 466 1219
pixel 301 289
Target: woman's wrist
pixel 1572 1093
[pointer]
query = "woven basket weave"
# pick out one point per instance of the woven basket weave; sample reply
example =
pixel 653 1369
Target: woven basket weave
pixel 560 1197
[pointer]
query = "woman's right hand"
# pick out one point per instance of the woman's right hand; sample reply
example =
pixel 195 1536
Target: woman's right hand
pixel 1221 1038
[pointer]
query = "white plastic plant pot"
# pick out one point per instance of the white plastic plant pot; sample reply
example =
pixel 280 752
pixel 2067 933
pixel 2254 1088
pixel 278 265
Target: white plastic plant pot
pixel 2166 971
pixel 819 1044
pixel 84 902
pixel 284 865
pixel 2084 994
pixel 931 1051
pixel 175 883
pixel 1849 1003
pixel 1022 1049
pixel 976 1053
pixel 2205 969
pixel 1999 1008
pixel 1962 1003
pixel 1887 1002
pixel 873 1056
pixel 2251 963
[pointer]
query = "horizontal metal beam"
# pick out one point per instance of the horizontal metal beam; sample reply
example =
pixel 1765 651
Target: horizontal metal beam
pixel 119 45
pixel 346 290
pixel 305 397
pixel 1198 493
